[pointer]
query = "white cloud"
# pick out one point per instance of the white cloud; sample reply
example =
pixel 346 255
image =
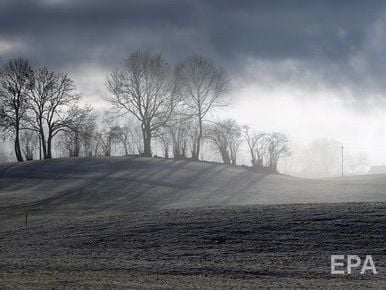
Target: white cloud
pixel 7 46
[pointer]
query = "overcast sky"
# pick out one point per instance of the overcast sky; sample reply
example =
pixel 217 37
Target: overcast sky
pixel 310 68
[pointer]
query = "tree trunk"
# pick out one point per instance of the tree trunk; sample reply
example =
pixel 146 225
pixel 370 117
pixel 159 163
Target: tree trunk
pixel 19 156
pixel 196 153
pixel 253 158
pixel 225 157
pixel 126 149
pixel 40 147
pixel 76 145
pixel 49 153
pixel 43 141
pixel 146 142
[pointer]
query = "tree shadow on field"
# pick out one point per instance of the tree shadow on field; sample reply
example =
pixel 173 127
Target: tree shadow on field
pixel 137 184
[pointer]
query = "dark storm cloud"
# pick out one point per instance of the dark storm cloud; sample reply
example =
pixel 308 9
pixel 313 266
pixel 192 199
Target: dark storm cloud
pixel 331 35
pixel 62 32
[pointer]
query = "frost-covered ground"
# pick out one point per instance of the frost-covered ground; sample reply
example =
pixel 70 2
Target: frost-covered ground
pixel 247 246
pixel 138 222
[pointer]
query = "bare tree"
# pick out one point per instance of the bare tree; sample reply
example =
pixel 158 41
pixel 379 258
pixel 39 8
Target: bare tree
pixel 256 145
pixel 53 105
pixel 105 142
pixel 261 150
pixel 165 141
pixel 29 141
pixel 202 86
pixel 320 158
pixel 79 135
pixel 14 84
pixel 97 143
pixel 277 147
pixel 70 143
pixel 123 134
pixel 226 136
pixel 180 137
pixel 87 133
pixel 108 136
pixel 356 163
pixel 144 87
pixel 43 83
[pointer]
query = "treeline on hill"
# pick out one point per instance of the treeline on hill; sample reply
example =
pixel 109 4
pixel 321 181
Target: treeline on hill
pixel 157 102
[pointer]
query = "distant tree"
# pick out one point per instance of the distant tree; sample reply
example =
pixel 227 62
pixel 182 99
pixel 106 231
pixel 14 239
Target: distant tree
pixel 261 150
pixel 15 78
pixel 320 158
pixel 123 134
pixel 70 143
pixel 105 142
pixel 256 142
pixel 226 136
pixel 356 163
pixel 29 141
pixel 3 156
pixel 3 151
pixel 129 136
pixel 80 134
pixel 98 143
pixel 108 136
pixel 163 135
pixel 202 86
pixel 179 135
pixel 87 131
pixel 144 87
pixel 277 147
pixel 136 135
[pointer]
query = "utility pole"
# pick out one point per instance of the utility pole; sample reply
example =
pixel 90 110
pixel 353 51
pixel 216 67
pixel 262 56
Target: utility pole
pixel 341 147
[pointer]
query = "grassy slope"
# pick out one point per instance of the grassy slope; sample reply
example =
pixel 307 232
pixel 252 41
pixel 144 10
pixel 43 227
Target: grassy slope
pixel 136 184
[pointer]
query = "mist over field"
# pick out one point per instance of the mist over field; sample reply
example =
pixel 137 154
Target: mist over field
pixel 192 144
